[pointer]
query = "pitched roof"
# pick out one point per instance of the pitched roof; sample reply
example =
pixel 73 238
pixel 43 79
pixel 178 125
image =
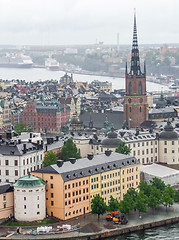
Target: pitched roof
pixel 85 167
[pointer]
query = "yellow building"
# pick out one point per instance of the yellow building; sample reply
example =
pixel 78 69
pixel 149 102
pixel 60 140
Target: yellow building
pixel 6 200
pixel 71 185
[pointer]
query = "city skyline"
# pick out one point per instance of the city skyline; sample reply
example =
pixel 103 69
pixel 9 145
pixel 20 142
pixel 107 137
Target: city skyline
pixel 87 22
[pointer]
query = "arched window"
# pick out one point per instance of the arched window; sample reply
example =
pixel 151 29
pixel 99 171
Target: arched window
pixel 140 89
pixel 130 88
pixel 140 109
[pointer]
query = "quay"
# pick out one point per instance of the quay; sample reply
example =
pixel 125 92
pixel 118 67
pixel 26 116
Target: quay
pixel 92 229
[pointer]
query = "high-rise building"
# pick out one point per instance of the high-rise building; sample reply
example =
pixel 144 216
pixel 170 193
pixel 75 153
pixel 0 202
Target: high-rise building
pixel 135 106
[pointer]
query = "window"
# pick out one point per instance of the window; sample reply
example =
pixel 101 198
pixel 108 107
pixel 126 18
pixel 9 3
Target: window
pixel 24 206
pixel 4 198
pixel 52 203
pixel 51 195
pixel 24 198
pixel 173 142
pixel 65 187
pixel 76 184
pixel 165 150
pixel 16 172
pixel 38 206
pixel 165 142
pixel 51 177
pixel 16 162
pixel 4 205
pixel 7 162
pixel 7 172
pixel 68 186
pixel 51 185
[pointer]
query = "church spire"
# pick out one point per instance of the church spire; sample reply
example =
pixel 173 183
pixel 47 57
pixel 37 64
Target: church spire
pixel 135 61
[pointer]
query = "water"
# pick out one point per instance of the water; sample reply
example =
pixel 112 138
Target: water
pixel 169 232
pixel 36 74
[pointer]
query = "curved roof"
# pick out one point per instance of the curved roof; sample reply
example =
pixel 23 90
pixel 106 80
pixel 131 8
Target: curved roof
pixel 111 140
pixel 29 181
pixel 168 133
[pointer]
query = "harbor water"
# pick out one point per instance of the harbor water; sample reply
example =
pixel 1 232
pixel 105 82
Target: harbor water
pixel 36 74
pixel 169 232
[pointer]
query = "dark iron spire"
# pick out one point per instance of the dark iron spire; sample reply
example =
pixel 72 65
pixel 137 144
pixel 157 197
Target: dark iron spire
pixel 135 61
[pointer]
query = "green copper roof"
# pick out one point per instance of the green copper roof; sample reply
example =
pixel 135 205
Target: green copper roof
pixel 29 181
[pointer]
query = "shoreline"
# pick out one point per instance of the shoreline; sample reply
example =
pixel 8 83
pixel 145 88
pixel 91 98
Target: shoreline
pixel 103 229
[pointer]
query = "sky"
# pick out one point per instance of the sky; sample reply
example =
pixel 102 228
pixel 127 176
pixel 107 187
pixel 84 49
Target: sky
pixel 71 22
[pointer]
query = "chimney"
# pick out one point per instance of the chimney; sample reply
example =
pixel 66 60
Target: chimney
pixel 24 148
pixel 108 153
pixel 72 160
pixel 57 138
pixel 30 135
pixel 59 163
pixel 51 140
pixel 19 141
pixel 90 156
pixel 8 135
pixel 48 140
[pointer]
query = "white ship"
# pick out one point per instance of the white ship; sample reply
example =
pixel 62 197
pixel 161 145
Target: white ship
pixel 52 64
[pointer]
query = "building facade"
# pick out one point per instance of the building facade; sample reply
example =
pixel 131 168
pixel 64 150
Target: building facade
pixel 29 199
pixel 45 118
pixel 72 185
pixel 17 159
pixel 6 201
pixel 135 106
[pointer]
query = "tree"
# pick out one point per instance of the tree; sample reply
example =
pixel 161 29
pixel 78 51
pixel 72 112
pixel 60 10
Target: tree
pixel 158 183
pixel 154 198
pixel 123 148
pixel 21 127
pixel 127 204
pixel 69 150
pixel 168 196
pixel 113 204
pixel 145 188
pixel 98 206
pixel 141 202
pixel 132 193
pixel 49 159
pixel 176 198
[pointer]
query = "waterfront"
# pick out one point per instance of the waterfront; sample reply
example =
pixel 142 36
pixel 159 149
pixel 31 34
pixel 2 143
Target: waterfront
pixel 36 74
pixel 170 232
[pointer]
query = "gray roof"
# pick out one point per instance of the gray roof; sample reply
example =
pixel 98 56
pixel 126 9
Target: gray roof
pixel 16 149
pixel 84 167
pixel 158 170
pixel 5 187
pixel 99 118
pixel 162 110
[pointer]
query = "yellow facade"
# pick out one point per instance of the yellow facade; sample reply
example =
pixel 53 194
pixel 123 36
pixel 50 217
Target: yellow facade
pixel 95 185
pixel 6 205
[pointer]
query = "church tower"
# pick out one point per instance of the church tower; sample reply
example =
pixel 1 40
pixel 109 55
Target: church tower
pixel 135 106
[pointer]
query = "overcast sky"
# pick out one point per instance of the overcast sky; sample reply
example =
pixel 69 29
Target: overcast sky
pixel 59 22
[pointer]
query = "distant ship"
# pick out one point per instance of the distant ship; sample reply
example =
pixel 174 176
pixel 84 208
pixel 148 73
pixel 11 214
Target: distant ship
pixel 15 60
pixel 52 64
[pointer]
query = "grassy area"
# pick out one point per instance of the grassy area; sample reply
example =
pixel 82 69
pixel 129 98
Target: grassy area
pixel 45 222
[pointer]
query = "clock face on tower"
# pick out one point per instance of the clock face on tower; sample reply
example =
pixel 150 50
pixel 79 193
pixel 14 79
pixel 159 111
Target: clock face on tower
pixel 129 100
pixel 141 100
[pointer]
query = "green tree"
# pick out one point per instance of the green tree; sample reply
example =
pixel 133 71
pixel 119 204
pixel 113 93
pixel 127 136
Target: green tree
pixel 123 148
pixel 168 196
pixel 132 193
pixel 141 202
pixel 127 204
pixel 154 198
pixel 145 188
pixel 113 204
pixel 49 159
pixel 98 206
pixel 176 197
pixel 69 150
pixel 21 127
pixel 158 183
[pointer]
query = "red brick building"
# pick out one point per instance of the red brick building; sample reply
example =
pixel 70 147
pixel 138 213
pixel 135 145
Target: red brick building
pixel 45 118
pixel 135 106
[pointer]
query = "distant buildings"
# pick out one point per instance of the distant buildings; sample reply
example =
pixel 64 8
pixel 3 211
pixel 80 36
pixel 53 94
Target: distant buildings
pixel 45 118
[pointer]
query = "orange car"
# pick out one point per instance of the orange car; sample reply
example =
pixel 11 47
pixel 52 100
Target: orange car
pixel 109 217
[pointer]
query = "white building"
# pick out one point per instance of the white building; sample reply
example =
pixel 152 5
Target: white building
pixel 166 174
pixel 29 199
pixel 17 159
